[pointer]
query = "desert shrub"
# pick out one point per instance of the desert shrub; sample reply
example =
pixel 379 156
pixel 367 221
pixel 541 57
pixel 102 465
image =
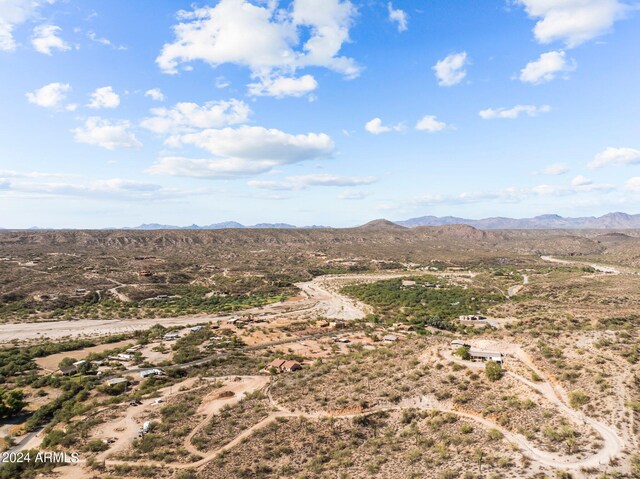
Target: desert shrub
pixel 97 445
pixel 493 370
pixel 578 399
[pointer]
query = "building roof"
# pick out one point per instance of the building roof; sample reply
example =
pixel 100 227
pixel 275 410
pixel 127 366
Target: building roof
pixel 150 372
pixel 113 382
pixel 276 363
pixel 291 365
pixel 68 369
pixel 484 354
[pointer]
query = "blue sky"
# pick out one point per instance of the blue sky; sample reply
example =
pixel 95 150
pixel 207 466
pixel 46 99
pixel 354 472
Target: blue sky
pixel 327 112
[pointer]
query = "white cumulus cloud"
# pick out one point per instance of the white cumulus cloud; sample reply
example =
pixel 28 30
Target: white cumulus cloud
pixel 155 94
pixel 547 67
pixel 45 39
pixel 93 36
pixel 573 21
pixel 430 124
pixel 633 184
pixel 106 134
pixel 186 116
pixel 615 157
pixel 451 70
pixel 49 96
pixel 104 97
pixel 556 169
pixel 399 17
pixel 243 151
pixel 281 87
pixel 304 181
pixel 376 127
pixel 354 195
pixel 513 113
pixel 264 38
pixel 581 180
pixel 12 14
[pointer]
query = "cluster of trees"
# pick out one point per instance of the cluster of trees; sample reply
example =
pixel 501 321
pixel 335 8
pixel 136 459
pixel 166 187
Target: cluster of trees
pixel 70 403
pixel 15 361
pixel 21 306
pixel 180 300
pixel 11 402
pixel 423 304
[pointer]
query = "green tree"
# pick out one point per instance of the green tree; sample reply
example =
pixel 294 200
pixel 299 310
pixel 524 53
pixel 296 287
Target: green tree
pixel 11 402
pixel 463 352
pixel 493 370
pixel 66 362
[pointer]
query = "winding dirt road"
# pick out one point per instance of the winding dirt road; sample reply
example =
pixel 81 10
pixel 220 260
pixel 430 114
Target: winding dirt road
pixel 613 443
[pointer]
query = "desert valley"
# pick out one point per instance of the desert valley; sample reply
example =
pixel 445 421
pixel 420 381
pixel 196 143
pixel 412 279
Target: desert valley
pixel 378 351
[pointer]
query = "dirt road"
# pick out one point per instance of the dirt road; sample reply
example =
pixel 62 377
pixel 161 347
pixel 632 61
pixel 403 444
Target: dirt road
pixel 125 429
pixel 212 404
pixel 613 443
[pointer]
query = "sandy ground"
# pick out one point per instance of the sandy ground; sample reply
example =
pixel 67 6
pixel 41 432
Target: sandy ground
pixel 321 298
pixel 50 363
pixel 213 403
pixel 125 428
pixel 598 267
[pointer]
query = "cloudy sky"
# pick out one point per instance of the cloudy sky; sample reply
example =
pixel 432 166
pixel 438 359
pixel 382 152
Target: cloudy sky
pixel 328 112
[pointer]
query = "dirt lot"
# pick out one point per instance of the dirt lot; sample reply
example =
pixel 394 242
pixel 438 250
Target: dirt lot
pixel 50 363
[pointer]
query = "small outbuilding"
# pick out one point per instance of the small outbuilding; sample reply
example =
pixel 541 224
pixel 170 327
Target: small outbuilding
pixel 116 381
pixel 150 372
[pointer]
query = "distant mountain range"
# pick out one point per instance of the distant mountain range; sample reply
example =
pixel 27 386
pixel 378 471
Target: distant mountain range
pixel 215 226
pixel 608 221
